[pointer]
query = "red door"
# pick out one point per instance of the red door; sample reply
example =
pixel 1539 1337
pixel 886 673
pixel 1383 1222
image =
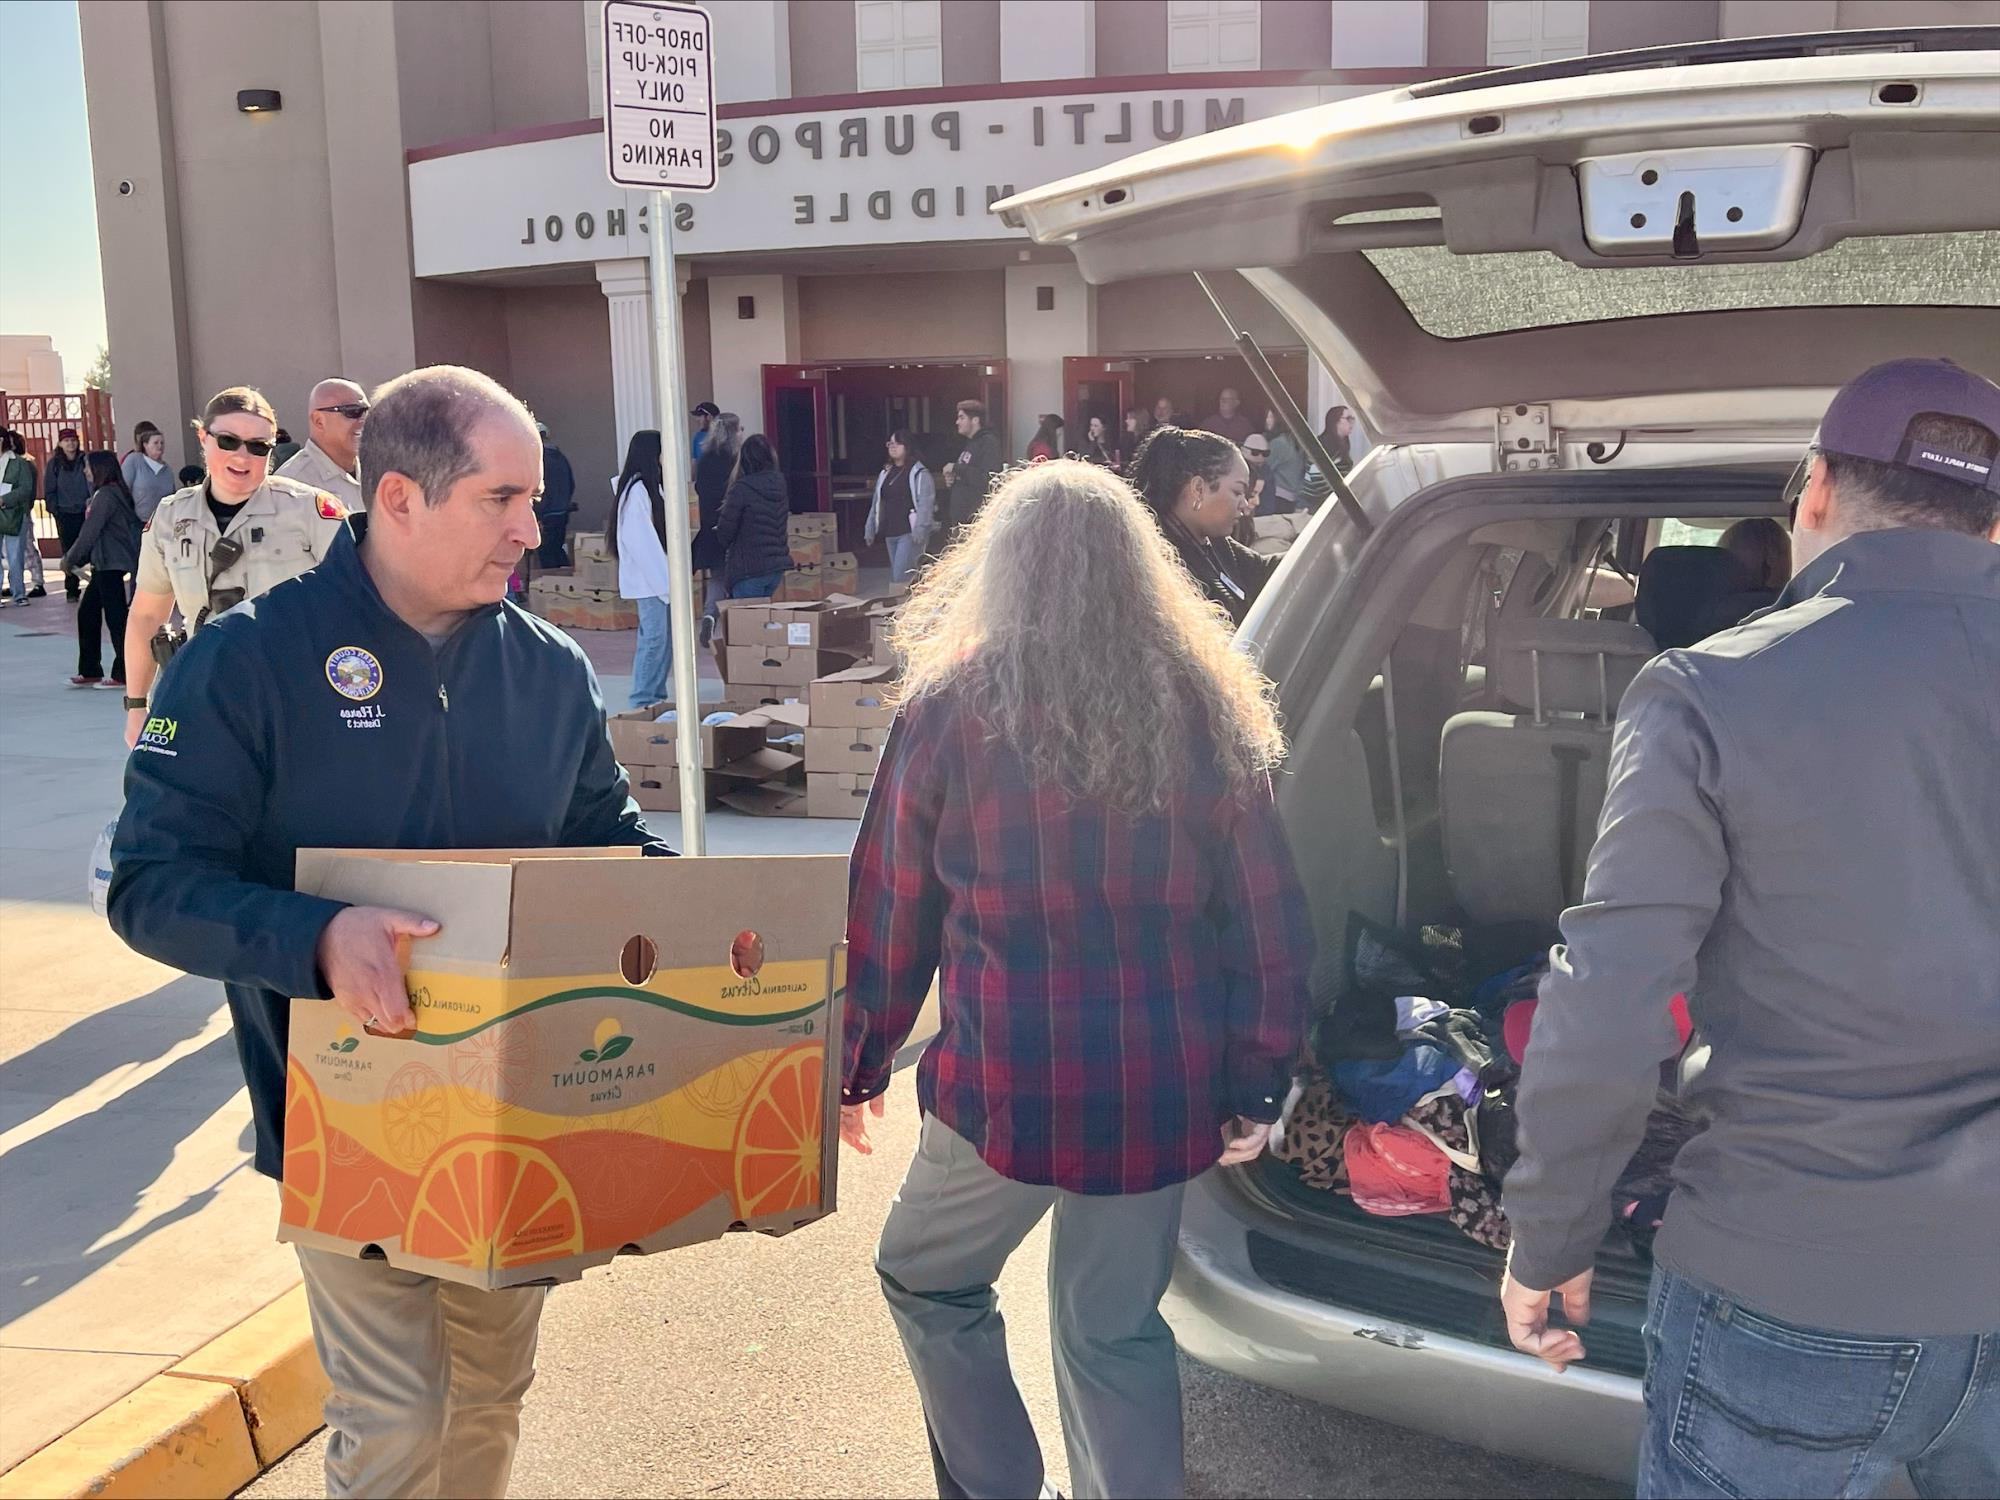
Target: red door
pixel 795 416
pixel 1104 388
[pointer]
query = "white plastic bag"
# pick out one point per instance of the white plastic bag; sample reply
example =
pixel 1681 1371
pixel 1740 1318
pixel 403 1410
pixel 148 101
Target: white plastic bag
pixel 100 868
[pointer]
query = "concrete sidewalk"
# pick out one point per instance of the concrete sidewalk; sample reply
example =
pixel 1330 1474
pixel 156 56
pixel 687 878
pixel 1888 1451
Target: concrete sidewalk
pixel 135 1231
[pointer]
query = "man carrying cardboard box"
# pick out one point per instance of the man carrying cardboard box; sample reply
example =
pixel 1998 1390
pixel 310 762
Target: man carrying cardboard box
pixel 391 699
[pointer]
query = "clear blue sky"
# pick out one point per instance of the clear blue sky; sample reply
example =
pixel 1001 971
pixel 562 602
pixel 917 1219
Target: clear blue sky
pixel 50 278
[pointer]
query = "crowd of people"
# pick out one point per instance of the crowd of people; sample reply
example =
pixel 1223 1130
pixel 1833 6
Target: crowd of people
pixel 1072 681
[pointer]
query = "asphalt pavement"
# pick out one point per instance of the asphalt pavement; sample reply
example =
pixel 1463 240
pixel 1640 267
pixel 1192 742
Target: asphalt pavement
pixel 761 1367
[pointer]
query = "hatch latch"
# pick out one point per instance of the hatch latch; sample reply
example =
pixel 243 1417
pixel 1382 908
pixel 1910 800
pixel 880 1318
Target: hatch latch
pixel 1694 201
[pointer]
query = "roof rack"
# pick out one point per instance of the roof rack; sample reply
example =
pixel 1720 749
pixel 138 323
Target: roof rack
pixel 1726 50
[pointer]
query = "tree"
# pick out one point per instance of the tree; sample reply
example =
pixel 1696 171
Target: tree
pixel 98 376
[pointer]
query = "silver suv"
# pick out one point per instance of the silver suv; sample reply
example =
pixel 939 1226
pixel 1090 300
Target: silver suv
pixel 1583 309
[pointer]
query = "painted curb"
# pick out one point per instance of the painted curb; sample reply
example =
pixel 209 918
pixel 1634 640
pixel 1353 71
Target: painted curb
pixel 205 1427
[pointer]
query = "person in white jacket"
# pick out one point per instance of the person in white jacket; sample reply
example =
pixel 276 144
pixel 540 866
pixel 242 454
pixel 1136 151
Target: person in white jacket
pixel 637 538
pixel 905 506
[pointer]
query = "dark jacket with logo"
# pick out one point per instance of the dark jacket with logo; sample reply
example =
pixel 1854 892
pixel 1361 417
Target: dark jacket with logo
pixel 978 463
pixel 755 527
pixel 313 717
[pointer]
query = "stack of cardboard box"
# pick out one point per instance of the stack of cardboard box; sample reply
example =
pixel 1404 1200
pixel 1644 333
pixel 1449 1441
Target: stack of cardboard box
pixel 848 723
pixel 752 755
pixel 585 596
pixel 818 571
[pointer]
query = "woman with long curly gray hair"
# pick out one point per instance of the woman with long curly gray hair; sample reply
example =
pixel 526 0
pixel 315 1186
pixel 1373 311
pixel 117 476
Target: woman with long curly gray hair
pixel 1073 831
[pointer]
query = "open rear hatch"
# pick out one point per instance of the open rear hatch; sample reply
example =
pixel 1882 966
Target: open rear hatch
pixel 1703 243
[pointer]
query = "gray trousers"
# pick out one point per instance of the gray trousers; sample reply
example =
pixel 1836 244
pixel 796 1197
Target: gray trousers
pixel 427 1378
pixel 953 1225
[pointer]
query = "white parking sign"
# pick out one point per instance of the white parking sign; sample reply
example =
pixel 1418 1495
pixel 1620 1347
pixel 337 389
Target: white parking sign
pixel 659 96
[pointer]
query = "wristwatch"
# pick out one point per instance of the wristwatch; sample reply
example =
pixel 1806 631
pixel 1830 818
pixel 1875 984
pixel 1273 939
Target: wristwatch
pixel 132 703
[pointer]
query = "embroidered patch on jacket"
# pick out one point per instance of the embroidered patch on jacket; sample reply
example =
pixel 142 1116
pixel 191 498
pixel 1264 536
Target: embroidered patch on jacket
pixel 354 673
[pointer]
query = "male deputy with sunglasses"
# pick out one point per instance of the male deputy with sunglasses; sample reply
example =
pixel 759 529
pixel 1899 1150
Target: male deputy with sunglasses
pixel 237 534
pixel 331 458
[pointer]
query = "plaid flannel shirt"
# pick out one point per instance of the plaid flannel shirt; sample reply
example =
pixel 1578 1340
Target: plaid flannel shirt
pixel 1113 988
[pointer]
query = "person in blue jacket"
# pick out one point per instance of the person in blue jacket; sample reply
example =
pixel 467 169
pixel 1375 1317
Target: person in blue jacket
pixel 391 698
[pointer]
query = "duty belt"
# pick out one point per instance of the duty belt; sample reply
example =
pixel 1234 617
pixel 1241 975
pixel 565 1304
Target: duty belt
pixel 167 640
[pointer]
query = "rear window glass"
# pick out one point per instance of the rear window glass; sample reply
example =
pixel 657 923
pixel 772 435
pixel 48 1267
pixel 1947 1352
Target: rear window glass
pixel 1463 296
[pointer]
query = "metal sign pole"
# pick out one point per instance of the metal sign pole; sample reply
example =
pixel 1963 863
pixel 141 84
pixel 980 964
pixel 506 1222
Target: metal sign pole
pixel 669 380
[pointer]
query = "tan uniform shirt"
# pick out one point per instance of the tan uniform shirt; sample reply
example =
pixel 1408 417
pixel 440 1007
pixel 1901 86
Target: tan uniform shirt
pixel 285 528
pixel 310 465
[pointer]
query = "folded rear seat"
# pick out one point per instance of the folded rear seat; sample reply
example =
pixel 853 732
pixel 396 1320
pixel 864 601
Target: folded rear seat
pixel 1520 790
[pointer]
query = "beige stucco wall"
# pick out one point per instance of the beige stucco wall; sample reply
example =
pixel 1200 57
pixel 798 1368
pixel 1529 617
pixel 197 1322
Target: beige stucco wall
pixel 1131 38
pixel 131 134
pixel 1617 28
pixel 537 56
pixel 1295 36
pixel 922 315
pixel 1168 314
pixel 255 210
pixel 559 353
pixel 971 42
pixel 823 59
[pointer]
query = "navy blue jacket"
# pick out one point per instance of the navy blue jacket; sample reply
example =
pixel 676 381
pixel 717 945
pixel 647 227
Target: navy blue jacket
pixel 313 717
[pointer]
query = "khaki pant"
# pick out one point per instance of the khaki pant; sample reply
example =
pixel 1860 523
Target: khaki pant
pixel 427 1378
pixel 950 1231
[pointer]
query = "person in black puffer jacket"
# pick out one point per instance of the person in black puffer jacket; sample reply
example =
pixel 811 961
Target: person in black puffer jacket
pixel 66 489
pixel 754 525
pixel 712 471
pixel 108 542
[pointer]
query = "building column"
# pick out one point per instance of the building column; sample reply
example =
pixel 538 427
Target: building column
pixel 634 401
pixel 1039 338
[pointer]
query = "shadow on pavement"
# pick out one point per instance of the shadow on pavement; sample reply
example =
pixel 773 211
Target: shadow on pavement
pixel 68 1188
pixel 129 1033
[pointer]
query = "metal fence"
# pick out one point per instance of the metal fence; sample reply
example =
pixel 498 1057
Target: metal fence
pixel 40 418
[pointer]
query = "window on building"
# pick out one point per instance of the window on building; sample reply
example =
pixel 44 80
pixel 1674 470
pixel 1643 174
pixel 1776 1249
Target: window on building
pixel 1532 31
pixel 1212 36
pixel 898 44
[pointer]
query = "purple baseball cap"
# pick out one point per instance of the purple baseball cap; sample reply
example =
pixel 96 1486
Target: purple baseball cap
pixel 1871 416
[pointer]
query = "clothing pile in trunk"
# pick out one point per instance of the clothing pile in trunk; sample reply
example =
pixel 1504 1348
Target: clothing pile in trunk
pixel 1404 1100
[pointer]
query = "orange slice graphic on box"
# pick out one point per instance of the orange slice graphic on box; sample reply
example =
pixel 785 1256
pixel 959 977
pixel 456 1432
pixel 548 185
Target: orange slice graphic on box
pixel 492 1066
pixel 494 1204
pixel 305 1149
pixel 778 1137
pixel 414 1114
pixel 719 1093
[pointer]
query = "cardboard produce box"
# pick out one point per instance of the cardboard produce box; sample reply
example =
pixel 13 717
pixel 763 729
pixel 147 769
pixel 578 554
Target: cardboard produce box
pixel 640 738
pixel 612 1054
pixel 801 585
pixel 820 625
pixel 584 544
pixel 593 572
pixel 844 749
pixel 854 699
pixel 838 794
pixel 839 573
pixel 781 666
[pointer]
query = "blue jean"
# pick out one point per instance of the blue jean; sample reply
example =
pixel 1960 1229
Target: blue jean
pixel 905 552
pixel 649 660
pixel 1740 1404
pixel 761 587
pixel 14 551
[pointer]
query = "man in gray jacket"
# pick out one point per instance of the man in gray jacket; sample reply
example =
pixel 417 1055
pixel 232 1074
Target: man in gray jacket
pixel 1802 833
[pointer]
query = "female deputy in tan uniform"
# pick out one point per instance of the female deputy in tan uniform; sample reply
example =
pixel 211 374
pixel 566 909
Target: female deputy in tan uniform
pixel 242 530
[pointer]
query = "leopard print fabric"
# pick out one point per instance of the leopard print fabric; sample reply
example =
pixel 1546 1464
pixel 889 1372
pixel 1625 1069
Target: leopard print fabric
pixel 1313 1137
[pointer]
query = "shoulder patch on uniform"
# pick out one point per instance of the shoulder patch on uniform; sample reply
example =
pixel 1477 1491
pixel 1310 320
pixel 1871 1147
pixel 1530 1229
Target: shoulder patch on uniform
pixel 331 509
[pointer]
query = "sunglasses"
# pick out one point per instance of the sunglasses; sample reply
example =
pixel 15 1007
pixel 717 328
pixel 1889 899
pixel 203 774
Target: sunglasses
pixel 256 447
pixel 354 411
